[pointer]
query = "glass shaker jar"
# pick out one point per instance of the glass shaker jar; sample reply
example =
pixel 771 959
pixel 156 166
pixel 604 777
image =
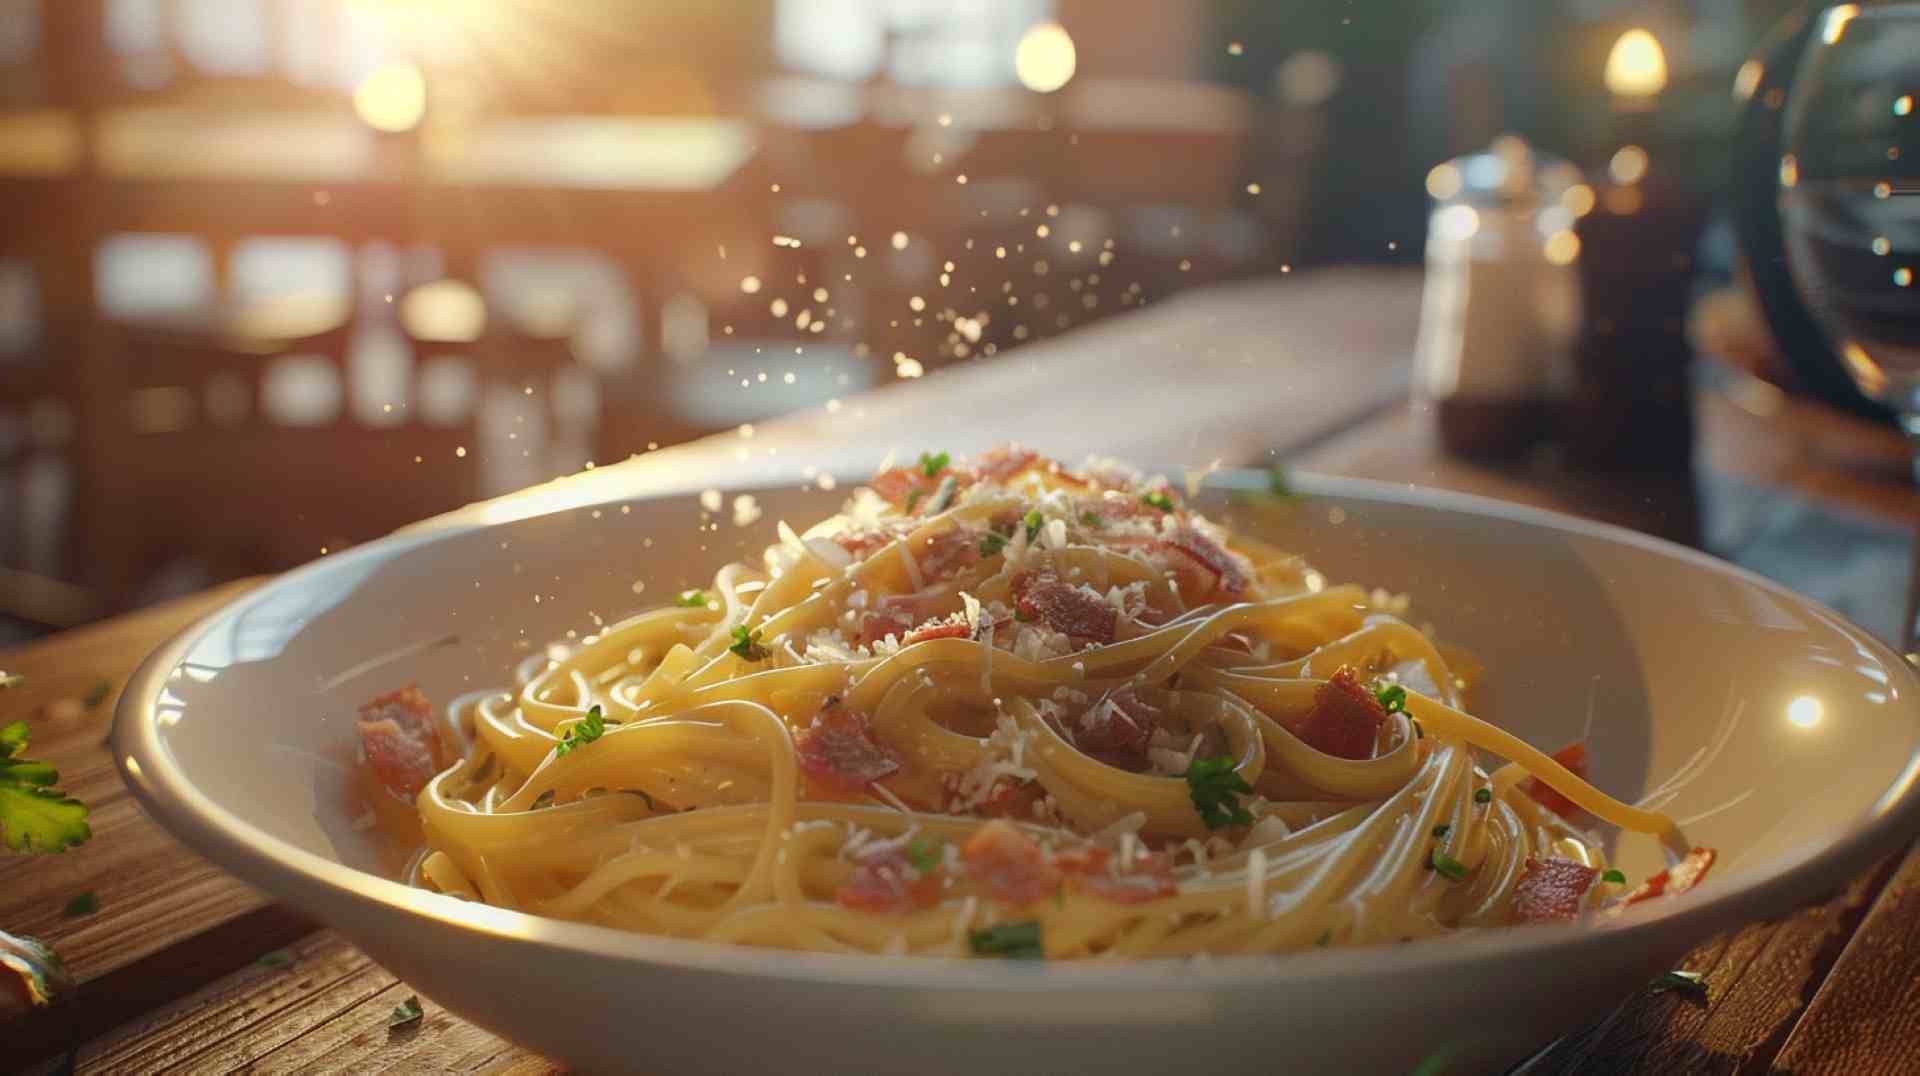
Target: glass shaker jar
pixel 1501 304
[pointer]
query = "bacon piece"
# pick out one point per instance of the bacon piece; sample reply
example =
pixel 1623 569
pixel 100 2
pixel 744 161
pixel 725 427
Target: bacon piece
pixel 885 880
pixel 1573 757
pixel 1009 799
pixel 862 544
pixel 1206 569
pixel 400 741
pixel 1145 879
pixel 944 555
pixel 839 752
pixel 1012 868
pixel 1673 881
pixel 1075 612
pixel 1551 890
pixel 945 629
pixel 1345 719
pixel 1002 463
pixel 400 761
pixel 1117 735
pixel 896 614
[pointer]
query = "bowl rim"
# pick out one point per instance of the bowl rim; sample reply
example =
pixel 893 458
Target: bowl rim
pixel 281 868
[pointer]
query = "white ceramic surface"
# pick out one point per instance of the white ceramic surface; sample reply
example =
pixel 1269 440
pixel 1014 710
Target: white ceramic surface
pixel 1802 733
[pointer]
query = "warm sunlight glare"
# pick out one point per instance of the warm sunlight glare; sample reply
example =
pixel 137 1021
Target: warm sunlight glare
pixel 1045 59
pixel 1636 67
pixel 392 98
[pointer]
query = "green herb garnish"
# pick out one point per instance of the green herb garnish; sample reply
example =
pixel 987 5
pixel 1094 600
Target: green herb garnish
pixel 1617 877
pixel 933 464
pixel 923 854
pixel 992 542
pixel 1279 483
pixel 1158 498
pixel 1441 829
pixel 83 904
pixel 1690 983
pixel 1447 865
pixel 405 1013
pixel 1033 523
pixel 1093 519
pixel 582 732
pixel 1216 788
pixel 913 497
pixel 279 958
pixel 1483 795
pixel 747 644
pixel 692 599
pixel 1015 941
pixel 34 815
pixel 1392 698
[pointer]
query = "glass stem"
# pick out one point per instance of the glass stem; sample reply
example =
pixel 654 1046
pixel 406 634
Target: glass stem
pixel 1910 644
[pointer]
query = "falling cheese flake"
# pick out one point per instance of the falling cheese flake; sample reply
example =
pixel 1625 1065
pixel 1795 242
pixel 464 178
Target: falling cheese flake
pixel 745 510
pixel 710 500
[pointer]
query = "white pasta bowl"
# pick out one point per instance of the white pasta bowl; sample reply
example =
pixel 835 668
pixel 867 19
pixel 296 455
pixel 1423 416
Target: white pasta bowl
pixel 1783 736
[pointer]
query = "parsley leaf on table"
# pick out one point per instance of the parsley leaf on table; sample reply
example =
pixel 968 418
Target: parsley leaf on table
pixel 405 1013
pixel 34 815
pixel 1016 941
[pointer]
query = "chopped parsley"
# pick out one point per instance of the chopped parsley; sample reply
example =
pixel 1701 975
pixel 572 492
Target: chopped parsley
pixel 279 958
pixel 1392 698
pixel 34 815
pixel 1690 983
pixel 1483 795
pixel 1279 483
pixel 913 497
pixel 1441 829
pixel 1093 519
pixel 1015 941
pixel 405 1013
pixel 1447 865
pixel 923 854
pixel 747 644
pixel 1216 788
pixel 1158 498
pixel 692 599
pixel 83 904
pixel 1033 522
pixel 1617 877
pixel 583 732
pixel 932 464
pixel 992 542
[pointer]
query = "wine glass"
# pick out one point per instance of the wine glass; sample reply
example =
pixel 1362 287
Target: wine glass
pixel 1850 196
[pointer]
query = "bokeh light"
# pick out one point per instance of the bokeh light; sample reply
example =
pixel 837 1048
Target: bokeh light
pixel 392 98
pixel 1045 59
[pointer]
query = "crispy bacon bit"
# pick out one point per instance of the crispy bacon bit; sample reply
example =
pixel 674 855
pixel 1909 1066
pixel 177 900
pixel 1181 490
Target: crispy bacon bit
pixel 1573 757
pixel 1147 878
pixel 1117 735
pixel 899 485
pixel 1551 890
pixel 947 553
pixel 1012 868
pixel 885 880
pixel 896 614
pixel 1675 880
pixel 1207 572
pixel 861 544
pixel 936 629
pixel 403 763
pixel 1002 463
pixel 1009 799
pixel 839 753
pixel 1345 719
pixel 398 737
pixel 1075 612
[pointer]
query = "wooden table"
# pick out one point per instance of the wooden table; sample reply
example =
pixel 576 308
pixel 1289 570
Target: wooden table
pixel 184 968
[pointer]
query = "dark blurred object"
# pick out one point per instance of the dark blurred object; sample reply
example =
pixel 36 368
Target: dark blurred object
pixel 1753 195
pixel 1632 407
